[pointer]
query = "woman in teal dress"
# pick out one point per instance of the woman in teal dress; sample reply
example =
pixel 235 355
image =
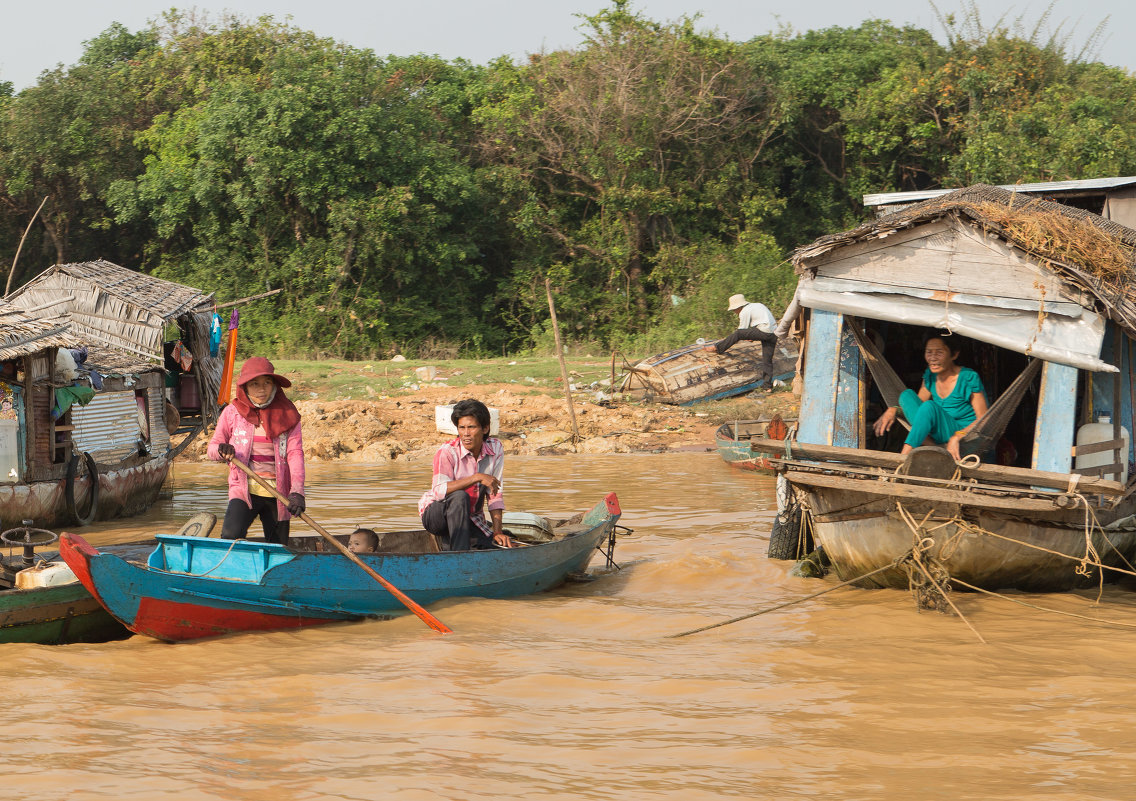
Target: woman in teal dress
pixel 947 405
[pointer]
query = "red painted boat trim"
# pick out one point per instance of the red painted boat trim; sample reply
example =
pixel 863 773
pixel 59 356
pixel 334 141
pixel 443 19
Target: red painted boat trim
pixel 77 553
pixel 612 503
pixel 174 622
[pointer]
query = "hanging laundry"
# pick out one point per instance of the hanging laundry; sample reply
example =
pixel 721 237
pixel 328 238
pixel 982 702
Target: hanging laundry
pixel 182 356
pixel 215 335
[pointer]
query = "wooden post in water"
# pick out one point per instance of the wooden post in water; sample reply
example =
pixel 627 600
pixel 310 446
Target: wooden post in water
pixel 563 365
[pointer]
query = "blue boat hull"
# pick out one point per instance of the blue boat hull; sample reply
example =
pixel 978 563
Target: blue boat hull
pixel 196 587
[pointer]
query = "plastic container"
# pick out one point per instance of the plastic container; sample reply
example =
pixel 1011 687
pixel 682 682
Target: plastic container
pixel 9 451
pixel 188 397
pixel 444 424
pixel 45 574
pixel 1102 431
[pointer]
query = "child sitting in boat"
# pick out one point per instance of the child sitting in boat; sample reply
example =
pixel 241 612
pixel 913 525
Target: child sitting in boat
pixel 363 540
pixel 949 402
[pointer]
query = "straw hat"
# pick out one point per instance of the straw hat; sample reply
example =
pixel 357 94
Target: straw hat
pixel 737 301
pixel 258 366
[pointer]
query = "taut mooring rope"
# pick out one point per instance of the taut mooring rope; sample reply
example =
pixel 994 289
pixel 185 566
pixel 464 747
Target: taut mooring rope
pixel 788 603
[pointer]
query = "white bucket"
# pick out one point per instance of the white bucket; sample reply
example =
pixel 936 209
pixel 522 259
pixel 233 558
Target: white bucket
pixel 444 424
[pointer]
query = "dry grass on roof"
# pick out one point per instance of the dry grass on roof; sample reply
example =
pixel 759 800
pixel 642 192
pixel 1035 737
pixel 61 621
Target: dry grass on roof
pixel 1052 235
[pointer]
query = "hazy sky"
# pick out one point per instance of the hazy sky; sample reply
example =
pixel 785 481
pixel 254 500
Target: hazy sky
pixel 38 35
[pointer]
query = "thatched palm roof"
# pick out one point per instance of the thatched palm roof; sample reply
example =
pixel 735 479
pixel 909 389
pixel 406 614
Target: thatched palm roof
pixel 21 335
pixel 1087 251
pixel 163 298
pixel 114 306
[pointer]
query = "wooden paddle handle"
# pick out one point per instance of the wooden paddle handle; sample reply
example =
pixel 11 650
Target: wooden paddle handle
pixel 405 599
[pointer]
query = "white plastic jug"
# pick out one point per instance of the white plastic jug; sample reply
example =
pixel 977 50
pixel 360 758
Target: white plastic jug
pixel 45 574
pixel 1102 431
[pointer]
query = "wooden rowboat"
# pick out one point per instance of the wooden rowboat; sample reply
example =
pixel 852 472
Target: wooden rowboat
pixel 733 442
pixel 191 587
pixel 49 606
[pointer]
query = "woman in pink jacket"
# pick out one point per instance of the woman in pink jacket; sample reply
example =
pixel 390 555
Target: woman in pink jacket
pixel 261 427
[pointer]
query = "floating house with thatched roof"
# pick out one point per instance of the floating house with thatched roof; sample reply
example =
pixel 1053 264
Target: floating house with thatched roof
pixel 1039 298
pixel 136 313
pixel 108 454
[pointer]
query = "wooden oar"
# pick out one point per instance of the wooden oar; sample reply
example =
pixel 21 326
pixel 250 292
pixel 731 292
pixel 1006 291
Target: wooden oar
pixel 405 599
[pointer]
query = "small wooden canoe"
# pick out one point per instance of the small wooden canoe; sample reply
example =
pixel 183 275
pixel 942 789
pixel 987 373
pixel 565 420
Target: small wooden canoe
pixel 192 587
pixel 58 609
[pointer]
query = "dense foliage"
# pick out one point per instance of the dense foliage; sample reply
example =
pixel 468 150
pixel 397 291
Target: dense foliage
pixel 416 204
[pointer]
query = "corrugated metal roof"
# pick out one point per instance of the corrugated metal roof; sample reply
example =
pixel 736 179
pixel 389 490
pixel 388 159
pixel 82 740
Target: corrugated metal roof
pixel 1087 185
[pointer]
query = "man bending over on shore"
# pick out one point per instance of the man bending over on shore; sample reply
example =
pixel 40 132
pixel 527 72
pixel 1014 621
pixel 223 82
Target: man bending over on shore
pixel 467 473
pixel 756 323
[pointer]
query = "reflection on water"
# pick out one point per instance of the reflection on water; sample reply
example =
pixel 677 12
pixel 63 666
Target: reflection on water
pixel 575 694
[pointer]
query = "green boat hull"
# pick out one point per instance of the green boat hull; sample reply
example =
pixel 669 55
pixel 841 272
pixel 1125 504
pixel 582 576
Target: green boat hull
pixel 55 616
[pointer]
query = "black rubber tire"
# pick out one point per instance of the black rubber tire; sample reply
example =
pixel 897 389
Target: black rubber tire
pixel 783 539
pixel 69 489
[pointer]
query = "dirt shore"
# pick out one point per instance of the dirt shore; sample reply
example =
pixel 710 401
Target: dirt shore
pixel 531 422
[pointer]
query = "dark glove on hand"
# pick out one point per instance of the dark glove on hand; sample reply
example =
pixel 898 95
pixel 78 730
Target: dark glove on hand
pixel 226 451
pixel 295 503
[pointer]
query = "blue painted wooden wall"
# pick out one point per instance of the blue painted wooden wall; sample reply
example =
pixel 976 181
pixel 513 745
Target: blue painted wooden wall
pixel 1056 407
pixel 831 402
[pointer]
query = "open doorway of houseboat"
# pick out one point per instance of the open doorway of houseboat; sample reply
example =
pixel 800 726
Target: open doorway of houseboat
pixel 902 347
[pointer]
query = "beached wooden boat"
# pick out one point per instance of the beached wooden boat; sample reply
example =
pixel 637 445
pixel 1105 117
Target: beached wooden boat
pixel 733 442
pixel 691 375
pixel 1024 286
pixel 191 588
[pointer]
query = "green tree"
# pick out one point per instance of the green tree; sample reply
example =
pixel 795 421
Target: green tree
pixel 645 136
pixel 67 139
pixel 321 169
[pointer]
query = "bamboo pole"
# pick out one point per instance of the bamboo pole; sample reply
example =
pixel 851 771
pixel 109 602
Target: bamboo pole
pixel 563 364
pixel 249 298
pixel 12 271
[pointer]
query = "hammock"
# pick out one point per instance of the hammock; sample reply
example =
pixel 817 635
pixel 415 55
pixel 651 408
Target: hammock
pixel 986 431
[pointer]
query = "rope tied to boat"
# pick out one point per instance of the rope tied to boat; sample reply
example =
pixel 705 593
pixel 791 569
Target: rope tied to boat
pixel 931 587
pixel 1091 556
pixel 869 574
pixel 927 577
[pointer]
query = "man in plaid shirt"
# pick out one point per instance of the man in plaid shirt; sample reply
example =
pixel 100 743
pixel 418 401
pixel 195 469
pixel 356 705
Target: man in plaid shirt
pixel 467 472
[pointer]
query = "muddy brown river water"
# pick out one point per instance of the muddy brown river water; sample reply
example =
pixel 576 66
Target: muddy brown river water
pixel 577 694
